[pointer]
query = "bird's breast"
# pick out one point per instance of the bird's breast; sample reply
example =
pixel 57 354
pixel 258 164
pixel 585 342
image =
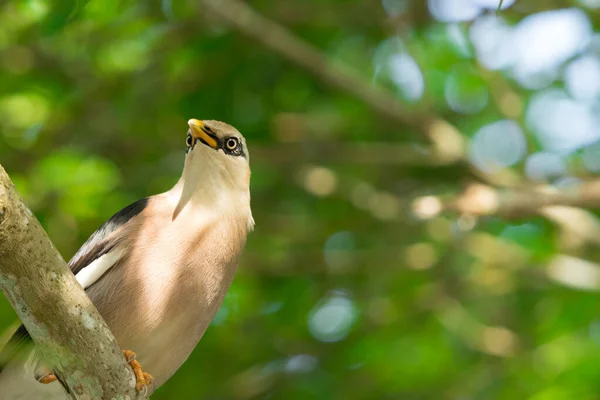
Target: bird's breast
pixel 174 282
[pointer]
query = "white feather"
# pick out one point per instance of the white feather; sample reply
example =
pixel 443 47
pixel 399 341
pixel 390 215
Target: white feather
pixel 92 272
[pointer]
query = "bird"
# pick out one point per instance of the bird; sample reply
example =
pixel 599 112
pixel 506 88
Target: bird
pixel 159 269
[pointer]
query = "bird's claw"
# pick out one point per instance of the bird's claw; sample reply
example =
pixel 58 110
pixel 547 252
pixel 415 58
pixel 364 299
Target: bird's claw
pixel 47 378
pixel 130 356
pixel 142 379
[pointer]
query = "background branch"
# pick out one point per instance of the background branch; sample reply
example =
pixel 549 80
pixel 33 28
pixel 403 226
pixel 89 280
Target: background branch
pixel 480 199
pixel 448 143
pixel 66 327
pixel 379 154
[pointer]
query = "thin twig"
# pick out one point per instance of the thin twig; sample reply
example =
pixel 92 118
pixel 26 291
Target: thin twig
pixel 499 6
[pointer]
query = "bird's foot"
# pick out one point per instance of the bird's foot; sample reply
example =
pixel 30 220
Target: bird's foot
pixel 142 378
pixel 47 378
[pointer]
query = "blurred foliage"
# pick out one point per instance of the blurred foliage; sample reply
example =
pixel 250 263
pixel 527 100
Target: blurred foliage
pixel 342 293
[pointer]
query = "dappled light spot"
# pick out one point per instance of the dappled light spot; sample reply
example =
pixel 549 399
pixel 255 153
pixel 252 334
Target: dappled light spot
pixel 453 10
pixel 490 36
pixel 332 319
pixel 20 111
pixel 493 4
pixel 544 166
pixel 465 223
pixel 339 251
pixel 578 225
pixel 128 54
pixel 427 207
pixel 574 272
pixel 384 206
pixel 497 145
pixel 23 14
pixel 448 143
pixel 545 40
pixel 582 77
pixel 535 48
pixel 407 76
pixel 478 199
pixel 420 256
pixel 78 184
pixel 498 341
pixel 561 123
pixel 319 181
pixel 591 157
pixel 463 10
pixel 36 9
pixel 393 63
pixel 589 3
pixel 301 364
pixel 558 355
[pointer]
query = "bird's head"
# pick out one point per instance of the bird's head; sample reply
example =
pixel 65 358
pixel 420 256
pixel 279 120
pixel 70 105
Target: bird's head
pixel 217 162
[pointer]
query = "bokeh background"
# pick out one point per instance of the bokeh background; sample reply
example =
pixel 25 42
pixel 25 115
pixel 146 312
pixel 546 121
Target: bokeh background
pixel 421 231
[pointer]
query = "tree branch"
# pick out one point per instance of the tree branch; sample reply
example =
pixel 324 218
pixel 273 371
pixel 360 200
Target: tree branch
pixel 447 141
pixel 480 199
pixel 66 327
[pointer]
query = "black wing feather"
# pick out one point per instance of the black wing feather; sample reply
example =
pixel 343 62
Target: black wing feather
pixel 95 247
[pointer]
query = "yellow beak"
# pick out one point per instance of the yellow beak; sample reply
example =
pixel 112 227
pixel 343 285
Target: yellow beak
pixel 199 131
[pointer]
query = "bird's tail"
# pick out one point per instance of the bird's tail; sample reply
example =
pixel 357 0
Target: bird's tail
pixel 18 381
pixel 20 368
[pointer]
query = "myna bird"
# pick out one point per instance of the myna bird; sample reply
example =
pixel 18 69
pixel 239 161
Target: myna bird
pixel 158 270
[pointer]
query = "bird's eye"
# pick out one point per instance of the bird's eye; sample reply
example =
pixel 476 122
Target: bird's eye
pixel 231 144
pixel 189 140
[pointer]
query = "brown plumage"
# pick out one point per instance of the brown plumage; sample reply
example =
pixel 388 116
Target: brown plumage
pixel 159 270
